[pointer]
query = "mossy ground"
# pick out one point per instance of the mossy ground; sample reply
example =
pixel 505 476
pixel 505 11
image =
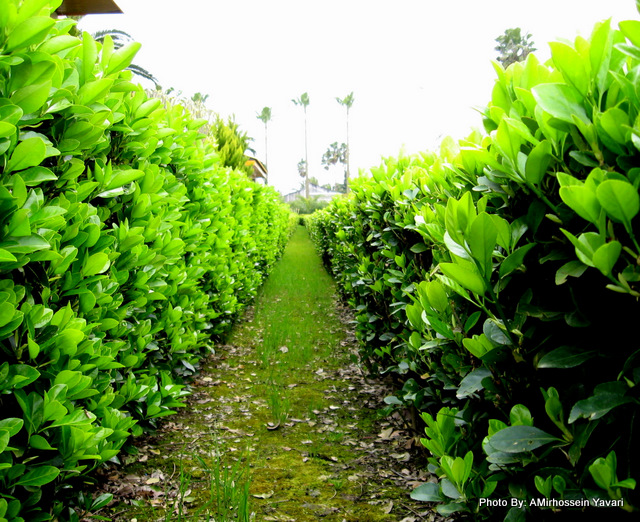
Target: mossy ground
pixel 281 425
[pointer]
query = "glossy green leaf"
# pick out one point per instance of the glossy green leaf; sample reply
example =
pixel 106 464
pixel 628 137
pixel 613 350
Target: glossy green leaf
pixel 40 443
pixel 12 424
pixel 482 241
pixel 619 199
pixel 561 101
pixel 94 91
pixel 514 260
pixel 631 30
pixel 600 52
pixel 606 396
pixel 6 256
pixel 585 245
pixel 4 440
pixel 582 200
pixel 605 257
pixel 21 375
pixel 429 492
pixel 31 31
pixel 121 59
pixel 36 175
pixel 472 382
pixel 39 476
pixel 59 43
pixel 615 123
pixel 7 129
pixel 19 225
pixel 89 55
pixel 572 268
pixel 520 416
pixel 571 65
pixel 28 153
pixel 67 340
pixel 122 177
pixel 565 357
pixel 519 439
pixel 32 97
pixel 96 264
pixel 538 162
pixel 26 245
pixel 466 276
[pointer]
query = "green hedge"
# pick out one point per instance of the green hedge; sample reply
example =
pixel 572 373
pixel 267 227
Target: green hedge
pixel 499 278
pixel 125 249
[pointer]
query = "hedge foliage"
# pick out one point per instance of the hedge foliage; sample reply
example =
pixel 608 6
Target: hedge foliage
pixel 125 248
pixel 500 279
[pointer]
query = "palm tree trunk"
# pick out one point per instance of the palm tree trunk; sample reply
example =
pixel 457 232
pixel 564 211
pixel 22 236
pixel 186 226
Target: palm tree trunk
pixel 306 158
pixel 348 175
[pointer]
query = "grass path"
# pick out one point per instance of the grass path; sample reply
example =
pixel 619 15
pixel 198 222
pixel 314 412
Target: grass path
pixel 281 425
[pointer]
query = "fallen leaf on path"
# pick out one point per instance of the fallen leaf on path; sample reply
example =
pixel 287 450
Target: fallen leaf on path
pixel 264 495
pixel 404 457
pixel 386 433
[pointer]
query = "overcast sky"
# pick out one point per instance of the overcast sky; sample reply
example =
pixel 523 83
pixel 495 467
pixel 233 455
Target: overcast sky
pixel 416 67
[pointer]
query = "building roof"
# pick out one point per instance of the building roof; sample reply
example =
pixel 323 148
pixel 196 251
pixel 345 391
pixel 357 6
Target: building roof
pixel 83 7
pixel 259 168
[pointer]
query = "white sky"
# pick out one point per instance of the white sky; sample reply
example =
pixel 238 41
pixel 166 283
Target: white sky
pixel 416 67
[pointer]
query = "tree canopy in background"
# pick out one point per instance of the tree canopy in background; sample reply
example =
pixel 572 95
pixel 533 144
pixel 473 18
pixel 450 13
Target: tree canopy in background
pixel 514 47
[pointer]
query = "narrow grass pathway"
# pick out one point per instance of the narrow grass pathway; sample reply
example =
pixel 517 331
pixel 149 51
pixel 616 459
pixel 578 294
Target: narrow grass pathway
pixel 281 425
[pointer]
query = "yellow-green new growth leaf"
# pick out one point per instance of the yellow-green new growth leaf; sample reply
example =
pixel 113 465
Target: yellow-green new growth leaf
pixel 89 56
pixel 121 59
pixel 605 256
pixel 582 200
pixel 29 153
pixel 96 264
pixel 32 97
pixel 466 276
pixel 619 199
pixel 570 63
pixel 538 162
pixel 482 240
pixel 93 91
pixel 561 101
pixel 31 31
pixel 122 177
pixel 631 30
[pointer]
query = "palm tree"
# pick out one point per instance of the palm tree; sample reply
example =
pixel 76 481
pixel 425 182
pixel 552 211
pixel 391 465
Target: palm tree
pixel 265 117
pixel 347 102
pixel 304 101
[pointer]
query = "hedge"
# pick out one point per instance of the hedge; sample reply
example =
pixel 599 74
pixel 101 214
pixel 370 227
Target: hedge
pixel 126 249
pixel 499 279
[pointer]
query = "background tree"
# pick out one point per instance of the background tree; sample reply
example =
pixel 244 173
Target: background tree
pixel 304 102
pixel 302 170
pixel 337 154
pixel 232 144
pixel 513 46
pixel 265 117
pixel 347 102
